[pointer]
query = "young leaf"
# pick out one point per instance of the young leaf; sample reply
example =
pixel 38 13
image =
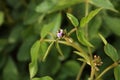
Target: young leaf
pixel 73 19
pixel 82 39
pixel 117 72
pixel 43 78
pixel 111 52
pixel 104 4
pixel 34 56
pixel 87 18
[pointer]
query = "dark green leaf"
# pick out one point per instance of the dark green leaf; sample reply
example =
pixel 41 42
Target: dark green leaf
pixel 3 43
pixel 94 27
pixel 15 34
pixel 82 39
pixel 24 50
pixel 73 19
pixel 47 51
pixel 45 6
pixel 113 23
pixel 104 4
pixel 59 49
pixel 52 6
pixel 43 78
pixel 111 52
pixel 1 18
pixel 86 19
pixel 10 71
pixel 117 72
pixel 53 25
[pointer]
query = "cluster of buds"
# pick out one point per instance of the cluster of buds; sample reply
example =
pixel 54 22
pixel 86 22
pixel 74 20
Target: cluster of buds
pixel 97 62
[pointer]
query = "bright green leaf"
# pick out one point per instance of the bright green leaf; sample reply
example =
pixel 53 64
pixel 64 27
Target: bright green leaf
pixel 87 18
pixel 1 18
pixel 117 72
pixel 33 68
pixel 42 50
pixel 82 39
pixel 73 19
pixel 53 25
pixel 43 78
pixel 104 4
pixel 34 57
pixel 113 24
pixel 111 52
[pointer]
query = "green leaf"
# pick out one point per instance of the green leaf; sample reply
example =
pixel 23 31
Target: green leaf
pixel 73 19
pixel 34 56
pixel 15 34
pixel 47 51
pixel 45 6
pixel 104 4
pixel 3 43
pixel 103 39
pixel 117 72
pixel 113 24
pixel 55 5
pixel 53 25
pixel 43 78
pixel 94 27
pixel 111 52
pixel 87 18
pixel 33 68
pixel 24 50
pixel 10 71
pixel 70 68
pixel 82 39
pixel 1 18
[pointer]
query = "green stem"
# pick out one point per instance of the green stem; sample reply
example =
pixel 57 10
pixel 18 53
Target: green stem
pixel 80 71
pixel 73 44
pixel 107 69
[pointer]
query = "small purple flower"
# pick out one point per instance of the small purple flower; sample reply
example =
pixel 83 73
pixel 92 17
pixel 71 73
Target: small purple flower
pixel 60 33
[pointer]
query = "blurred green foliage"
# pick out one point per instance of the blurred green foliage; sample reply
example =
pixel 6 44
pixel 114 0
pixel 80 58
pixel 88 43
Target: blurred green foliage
pixel 22 22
